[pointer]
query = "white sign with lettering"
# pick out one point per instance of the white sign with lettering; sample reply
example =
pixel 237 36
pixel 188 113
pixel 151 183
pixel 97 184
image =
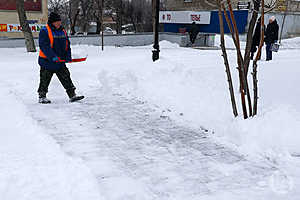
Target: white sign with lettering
pixel 184 17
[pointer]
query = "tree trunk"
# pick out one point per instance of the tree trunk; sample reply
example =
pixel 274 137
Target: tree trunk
pixel 119 16
pixel 258 55
pixel 240 59
pixel 153 15
pixel 226 63
pixel 29 41
pixel 98 28
pixel 250 35
pixel 243 77
pixel 73 24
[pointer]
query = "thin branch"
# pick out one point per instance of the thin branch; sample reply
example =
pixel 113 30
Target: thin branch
pixel 226 63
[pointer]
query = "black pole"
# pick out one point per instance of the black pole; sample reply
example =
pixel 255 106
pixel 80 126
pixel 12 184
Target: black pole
pixel 102 26
pixel 155 52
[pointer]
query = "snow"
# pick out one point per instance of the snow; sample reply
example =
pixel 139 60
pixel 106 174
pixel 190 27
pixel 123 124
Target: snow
pixel 229 44
pixel 292 43
pixel 162 130
pixel 32 164
pixel 193 83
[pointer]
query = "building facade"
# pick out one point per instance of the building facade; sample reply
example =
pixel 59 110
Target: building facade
pixel 201 5
pixel 194 5
pixel 37 15
pixel 180 14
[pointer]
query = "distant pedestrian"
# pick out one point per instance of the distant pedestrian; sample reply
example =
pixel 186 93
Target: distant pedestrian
pixel 256 38
pixel 193 32
pixel 271 36
pixel 55 51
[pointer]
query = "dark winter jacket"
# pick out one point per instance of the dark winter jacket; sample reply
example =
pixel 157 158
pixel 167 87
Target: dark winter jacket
pixel 257 33
pixel 193 30
pixel 272 32
pixel 61 48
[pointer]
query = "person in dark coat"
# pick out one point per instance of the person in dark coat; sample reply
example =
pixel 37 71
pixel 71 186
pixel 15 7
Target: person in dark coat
pixel 256 38
pixel 271 36
pixel 55 51
pixel 193 32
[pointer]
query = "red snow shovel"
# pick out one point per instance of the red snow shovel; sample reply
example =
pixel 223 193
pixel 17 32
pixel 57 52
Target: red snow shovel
pixel 74 60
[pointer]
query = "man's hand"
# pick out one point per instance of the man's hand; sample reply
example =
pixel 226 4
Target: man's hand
pixel 69 60
pixel 55 59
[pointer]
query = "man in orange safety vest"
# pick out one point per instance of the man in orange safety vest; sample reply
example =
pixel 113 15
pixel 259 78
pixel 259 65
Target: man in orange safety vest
pixel 55 52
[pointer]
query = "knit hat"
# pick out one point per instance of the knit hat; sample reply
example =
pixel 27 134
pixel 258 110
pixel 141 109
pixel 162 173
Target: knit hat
pixel 53 17
pixel 272 18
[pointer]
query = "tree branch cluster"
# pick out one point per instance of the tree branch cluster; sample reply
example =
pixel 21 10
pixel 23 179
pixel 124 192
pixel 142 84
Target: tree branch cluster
pixel 80 13
pixel 243 61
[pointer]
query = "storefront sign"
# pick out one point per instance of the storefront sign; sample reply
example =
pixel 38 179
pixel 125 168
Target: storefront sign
pixel 184 17
pixel 17 27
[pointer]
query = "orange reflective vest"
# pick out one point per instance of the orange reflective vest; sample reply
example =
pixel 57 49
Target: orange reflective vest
pixel 51 38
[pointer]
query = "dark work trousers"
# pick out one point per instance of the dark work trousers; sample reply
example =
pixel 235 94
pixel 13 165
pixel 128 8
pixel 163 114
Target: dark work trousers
pixel 64 77
pixel 193 38
pixel 268 51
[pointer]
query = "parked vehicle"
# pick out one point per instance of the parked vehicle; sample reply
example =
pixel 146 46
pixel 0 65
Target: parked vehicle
pixel 109 31
pixel 79 33
pixel 128 29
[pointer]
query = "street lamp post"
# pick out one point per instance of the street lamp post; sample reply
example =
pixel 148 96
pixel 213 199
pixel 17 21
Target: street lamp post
pixel 155 51
pixel 102 27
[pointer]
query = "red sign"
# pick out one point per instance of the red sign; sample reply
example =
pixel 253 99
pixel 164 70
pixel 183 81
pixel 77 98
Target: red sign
pixel 30 5
pixel 3 27
pixel 196 18
pixel 169 17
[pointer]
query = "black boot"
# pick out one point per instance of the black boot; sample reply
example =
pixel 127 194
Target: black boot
pixel 43 99
pixel 73 97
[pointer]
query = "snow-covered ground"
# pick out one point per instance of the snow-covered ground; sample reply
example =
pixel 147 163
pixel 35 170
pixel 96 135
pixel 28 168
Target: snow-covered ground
pixel 147 130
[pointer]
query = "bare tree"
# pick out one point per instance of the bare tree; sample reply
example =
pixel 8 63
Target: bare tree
pixel 79 13
pixel 29 42
pixel 98 12
pixel 118 7
pixel 55 5
pixel 138 13
pixel 243 62
pixel 86 13
pixel 73 15
pixel 270 5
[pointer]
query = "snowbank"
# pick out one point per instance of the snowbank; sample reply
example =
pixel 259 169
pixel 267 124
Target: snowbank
pixel 191 86
pixel 292 43
pixel 229 44
pixel 32 166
